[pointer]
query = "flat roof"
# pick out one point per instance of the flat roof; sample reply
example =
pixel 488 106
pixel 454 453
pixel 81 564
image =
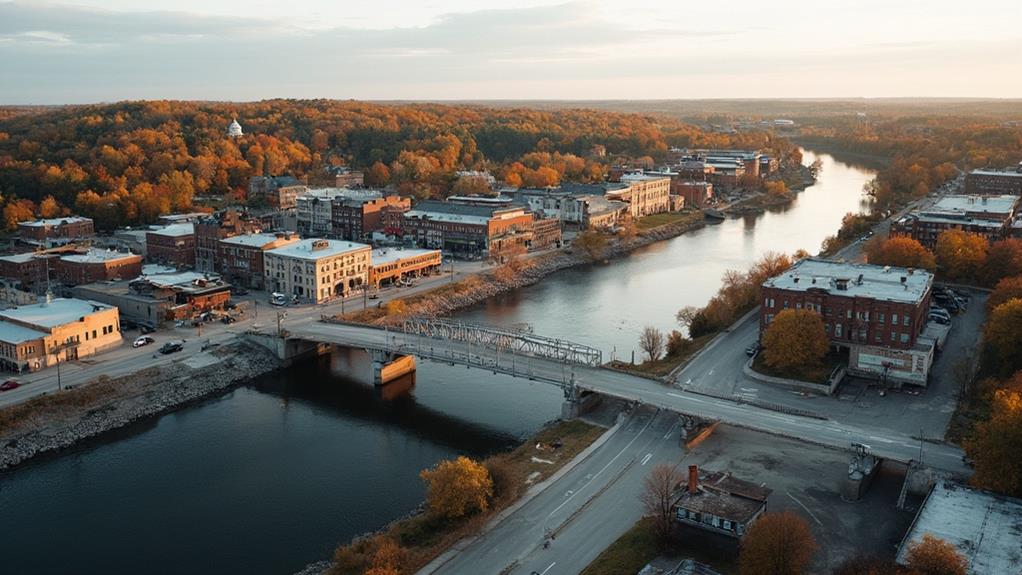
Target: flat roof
pixel 55 221
pixel 985 527
pixel 1003 204
pixel 179 278
pixel 94 255
pixel 55 313
pixel 877 282
pixel 175 230
pixel 954 219
pixel 643 177
pixel 303 249
pixel 251 240
pixel 1011 174
pixel 19 258
pixel 386 256
pixel 14 334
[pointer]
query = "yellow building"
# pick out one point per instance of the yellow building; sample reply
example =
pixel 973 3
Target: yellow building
pixel 393 265
pixel 317 270
pixel 646 195
pixel 36 336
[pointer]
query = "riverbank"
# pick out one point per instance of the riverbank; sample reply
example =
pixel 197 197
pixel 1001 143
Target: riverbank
pixel 49 423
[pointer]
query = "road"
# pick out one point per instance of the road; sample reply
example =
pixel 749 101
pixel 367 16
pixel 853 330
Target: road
pixel 573 508
pixel 714 364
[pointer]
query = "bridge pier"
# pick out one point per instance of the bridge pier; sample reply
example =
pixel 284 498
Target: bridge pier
pixel 578 402
pixel 389 366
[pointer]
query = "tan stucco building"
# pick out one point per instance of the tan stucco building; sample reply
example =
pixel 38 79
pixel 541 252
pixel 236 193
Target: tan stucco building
pixel 317 270
pixel 36 336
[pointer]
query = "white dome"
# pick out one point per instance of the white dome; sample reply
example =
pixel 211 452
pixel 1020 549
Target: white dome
pixel 234 129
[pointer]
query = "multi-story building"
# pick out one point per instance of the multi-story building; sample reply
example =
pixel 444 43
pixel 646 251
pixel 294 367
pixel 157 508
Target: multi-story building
pixel 546 233
pixel 40 335
pixel 994 182
pixel 279 192
pixel 317 270
pixel 212 228
pixel 645 194
pixel 877 313
pixel 153 299
pixel 727 172
pixel 315 209
pixel 355 217
pixel 95 265
pixel 172 245
pixel 469 230
pixel 696 194
pixel 242 258
pixel 988 216
pixel 56 231
pixel 749 159
pixel 768 165
pixel 391 265
pixel 582 206
pixel 29 271
pixel 345 177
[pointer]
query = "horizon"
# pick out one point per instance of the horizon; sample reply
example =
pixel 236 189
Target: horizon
pixel 105 51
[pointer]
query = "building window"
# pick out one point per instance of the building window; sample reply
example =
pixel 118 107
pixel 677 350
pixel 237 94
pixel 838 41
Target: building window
pixel 894 318
pixel 894 336
pixel 904 320
pixel 904 338
pixel 880 317
pixel 838 329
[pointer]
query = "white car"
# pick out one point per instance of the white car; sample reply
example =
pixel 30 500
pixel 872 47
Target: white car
pixel 141 341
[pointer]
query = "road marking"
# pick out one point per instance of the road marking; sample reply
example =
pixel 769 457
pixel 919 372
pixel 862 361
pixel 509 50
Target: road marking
pixel 549 567
pixel 811 514
pixel 710 372
pixel 645 460
pixel 692 399
pixel 688 381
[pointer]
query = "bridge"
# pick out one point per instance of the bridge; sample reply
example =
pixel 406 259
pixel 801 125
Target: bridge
pixel 576 370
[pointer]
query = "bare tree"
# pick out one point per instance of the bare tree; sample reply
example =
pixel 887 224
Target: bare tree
pixel 652 342
pixel 686 316
pixel 658 498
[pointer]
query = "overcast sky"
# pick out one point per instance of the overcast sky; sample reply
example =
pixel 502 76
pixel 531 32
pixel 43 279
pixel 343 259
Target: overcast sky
pixel 106 50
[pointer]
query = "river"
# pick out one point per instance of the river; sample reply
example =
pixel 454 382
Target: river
pixel 273 475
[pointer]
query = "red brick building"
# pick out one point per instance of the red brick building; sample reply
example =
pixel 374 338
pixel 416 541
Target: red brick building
pixel 469 230
pixel 96 265
pixel 173 245
pixel 994 182
pixel 241 257
pixel 27 271
pixel 56 231
pixel 355 218
pixel 696 194
pixel 877 313
pixel 215 227
pixel 988 216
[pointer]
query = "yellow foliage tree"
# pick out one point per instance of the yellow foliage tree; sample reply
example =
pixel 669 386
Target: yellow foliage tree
pixel 996 444
pixel 1003 333
pixel 934 556
pixel 899 251
pixel 795 338
pixel 456 488
pixel 961 255
pixel 49 208
pixel 591 242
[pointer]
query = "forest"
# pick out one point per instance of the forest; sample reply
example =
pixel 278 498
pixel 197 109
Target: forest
pixel 127 163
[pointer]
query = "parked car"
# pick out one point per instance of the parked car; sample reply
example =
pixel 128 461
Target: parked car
pixel 143 328
pixel 238 290
pixel 752 349
pixel 141 341
pixel 172 347
pixel 942 320
pixel 939 311
pixel 278 299
pixel 9 385
pixel 228 319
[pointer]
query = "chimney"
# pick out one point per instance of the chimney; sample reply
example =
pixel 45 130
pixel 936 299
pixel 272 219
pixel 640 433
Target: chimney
pixel 693 479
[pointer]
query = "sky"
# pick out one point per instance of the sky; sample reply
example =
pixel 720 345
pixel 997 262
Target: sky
pixel 83 51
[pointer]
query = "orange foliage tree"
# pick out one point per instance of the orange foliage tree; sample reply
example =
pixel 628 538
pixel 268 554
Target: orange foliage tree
pixel 996 444
pixel 1003 336
pixel 777 544
pixel 795 338
pixel 1003 260
pixel 899 251
pixel 934 556
pixel 961 255
pixel 1006 289
pixel 456 488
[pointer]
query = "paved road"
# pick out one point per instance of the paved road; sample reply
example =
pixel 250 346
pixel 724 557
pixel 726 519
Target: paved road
pixel 575 506
pixel 887 443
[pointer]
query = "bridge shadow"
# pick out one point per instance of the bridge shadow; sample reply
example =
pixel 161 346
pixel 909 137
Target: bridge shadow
pixel 315 382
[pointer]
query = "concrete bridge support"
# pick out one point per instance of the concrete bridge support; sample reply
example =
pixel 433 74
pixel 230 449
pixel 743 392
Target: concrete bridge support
pixel 287 350
pixel 578 402
pixel 387 367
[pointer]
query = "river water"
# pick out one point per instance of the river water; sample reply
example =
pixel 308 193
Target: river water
pixel 273 475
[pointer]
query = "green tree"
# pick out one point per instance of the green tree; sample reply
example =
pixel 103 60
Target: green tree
pixel 795 338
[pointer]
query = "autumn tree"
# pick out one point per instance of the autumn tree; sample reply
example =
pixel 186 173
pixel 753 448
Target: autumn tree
pixel 651 341
pixel 1006 289
pixel 456 488
pixel 686 315
pixel 960 255
pixel 1003 335
pixel 996 443
pixel 49 208
pixel 1003 260
pixel 591 242
pixel 899 251
pixel 934 556
pixel 777 544
pixel 795 338
pixel 18 211
pixel 775 188
pixel 378 175
pixel 378 554
pixel 676 343
pixel 658 498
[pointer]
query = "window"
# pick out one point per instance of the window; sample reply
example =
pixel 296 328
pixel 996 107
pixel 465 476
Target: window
pixel 838 329
pixel 880 317
pixel 727 525
pixel 848 314
pixel 905 320
pixel 877 337
pixel 893 336
pixel 894 318
pixel 904 338
pixel 798 305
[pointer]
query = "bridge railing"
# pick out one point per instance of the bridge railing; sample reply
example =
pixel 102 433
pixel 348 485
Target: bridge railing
pixel 504 340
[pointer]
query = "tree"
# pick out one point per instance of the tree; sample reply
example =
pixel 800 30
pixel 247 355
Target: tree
pixel 49 208
pixel 961 255
pixel 591 242
pixel 1003 335
pixel 686 316
pixel 1006 289
pixel 658 498
pixel 795 338
pixel 775 188
pixel 676 343
pixel 777 544
pixel 456 488
pixel 18 211
pixel 996 443
pixel 900 251
pixel 1003 260
pixel 934 556
pixel 378 175
pixel 651 341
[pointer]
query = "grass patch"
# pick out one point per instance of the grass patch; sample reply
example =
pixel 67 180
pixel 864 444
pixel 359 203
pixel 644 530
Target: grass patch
pixel 665 365
pixel 656 220
pixel 631 552
pixel 809 373
pixel 423 538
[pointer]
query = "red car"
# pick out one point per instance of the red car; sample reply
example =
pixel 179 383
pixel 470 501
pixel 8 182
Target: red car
pixel 9 385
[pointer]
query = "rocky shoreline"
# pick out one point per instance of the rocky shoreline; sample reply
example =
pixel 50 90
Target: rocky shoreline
pixel 145 394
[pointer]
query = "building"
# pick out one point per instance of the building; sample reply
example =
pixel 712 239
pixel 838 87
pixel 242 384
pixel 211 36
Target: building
pixel 40 335
pixel 749 159
pixel 389 265
pixel 726 173
pixel 187 218
pixel 994 182
pixel 877 313
pixel 56 231
pixel 469 230
pixel 768 165
pixel 152 300
pixel 28 272
pixel 172 245
pixel 645 194
pixel 719 503
pixel 345 177
pixel 546 233
pixel 234 129
pixel 314 209
pixel 988 216
pixel 94 265
pixel 355 217
pixel 984 527
pixel 696 194
pixel 278 192
pixel 317 270
pixel 595 212
pixel 241 258
pixel 212 228
pixel 582 206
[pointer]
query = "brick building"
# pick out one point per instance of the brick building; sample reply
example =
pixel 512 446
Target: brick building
pixel 242 258
pixel 696 194
pixel 173 245
pixel 28 271
pixel 645 194
pixel 719 502
pixel 994 182
pixel 56 231
pixel 546 233
pixel 389 265
pixel 356 217
pixel 988 216
pixel 279 192
pixel 877 313
pixel 469 230
pixel 317 270
pixel 210 229
pixel 95 265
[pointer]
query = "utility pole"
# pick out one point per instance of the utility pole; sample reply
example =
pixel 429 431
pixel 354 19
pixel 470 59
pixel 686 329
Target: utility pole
pixel 452 269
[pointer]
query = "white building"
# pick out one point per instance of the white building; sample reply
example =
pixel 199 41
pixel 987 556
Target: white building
pixel 317 270
pixel 234 129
